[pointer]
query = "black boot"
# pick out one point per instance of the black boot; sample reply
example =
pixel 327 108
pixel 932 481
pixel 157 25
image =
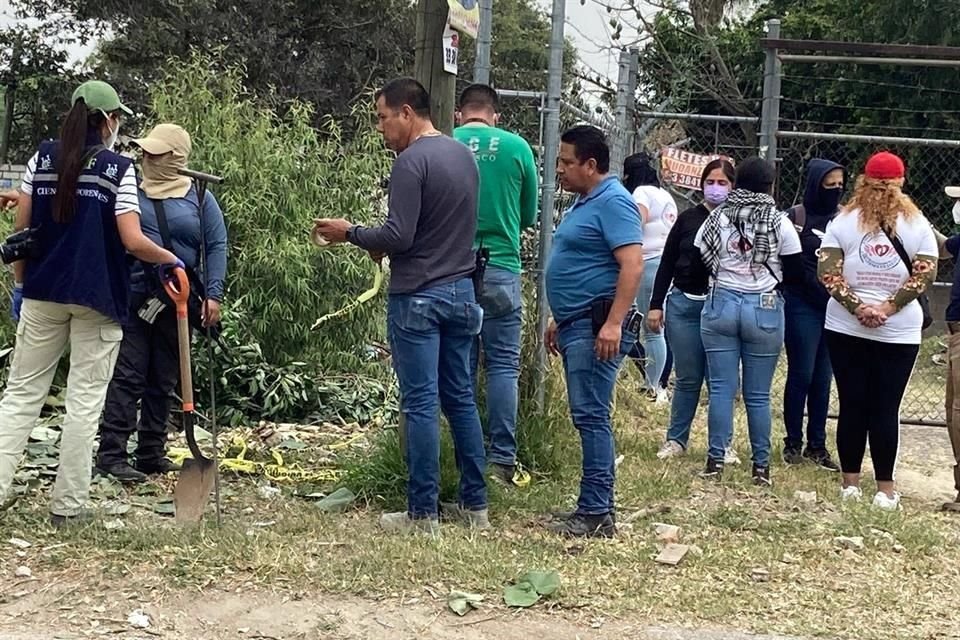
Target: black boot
pixel 121 471
pixel 156 466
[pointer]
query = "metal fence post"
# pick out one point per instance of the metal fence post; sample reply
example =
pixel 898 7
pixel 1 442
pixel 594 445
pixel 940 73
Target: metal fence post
pixel 551 145
pixel 770 117
pixel 618 135
pixel 481 68
pixel 632 144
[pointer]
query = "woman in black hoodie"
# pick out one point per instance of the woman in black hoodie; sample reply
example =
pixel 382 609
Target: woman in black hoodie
pixel 808 361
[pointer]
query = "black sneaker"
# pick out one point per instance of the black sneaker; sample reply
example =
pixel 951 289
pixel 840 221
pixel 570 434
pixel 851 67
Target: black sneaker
pixel 157 467
pixel 566 515
pixel 792 455
pixel 761 476
pixel 581 526
pixel 122 471
pixel 713 470
pixel 501 473
pixel 821 458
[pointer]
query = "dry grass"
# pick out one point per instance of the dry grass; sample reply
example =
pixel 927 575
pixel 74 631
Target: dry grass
pixel 814 587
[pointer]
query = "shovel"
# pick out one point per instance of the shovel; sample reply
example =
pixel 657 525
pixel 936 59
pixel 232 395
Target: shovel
pixel 196 479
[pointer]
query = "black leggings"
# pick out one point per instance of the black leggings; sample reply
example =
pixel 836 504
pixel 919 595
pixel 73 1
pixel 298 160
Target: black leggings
pixel 871 379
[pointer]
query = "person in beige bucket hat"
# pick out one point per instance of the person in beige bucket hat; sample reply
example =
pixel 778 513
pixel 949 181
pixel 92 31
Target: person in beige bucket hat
pixel 148 365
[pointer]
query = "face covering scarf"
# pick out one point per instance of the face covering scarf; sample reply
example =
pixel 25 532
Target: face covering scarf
pixel 161 177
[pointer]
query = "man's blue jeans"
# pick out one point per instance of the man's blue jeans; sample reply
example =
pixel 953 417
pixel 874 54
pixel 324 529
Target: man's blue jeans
pixel 500 343
pixel 682 320
pixel 431 336
pixel 590 384
pixel 808 373
pixel 736 329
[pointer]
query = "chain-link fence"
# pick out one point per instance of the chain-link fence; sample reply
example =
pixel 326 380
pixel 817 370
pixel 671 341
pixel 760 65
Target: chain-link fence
pixel 931 165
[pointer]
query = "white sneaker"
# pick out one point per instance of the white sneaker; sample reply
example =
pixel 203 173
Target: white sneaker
pixel 730 456
pixel 670 449
pixel 663 396
pixel 850 494
pixel 883 501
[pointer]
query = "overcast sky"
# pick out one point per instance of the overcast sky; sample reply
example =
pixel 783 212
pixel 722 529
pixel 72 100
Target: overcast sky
pixel 587 24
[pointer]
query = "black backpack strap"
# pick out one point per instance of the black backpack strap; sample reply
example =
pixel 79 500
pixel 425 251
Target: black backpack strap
pixel 901 250
pixel 798 215
pixel 162 224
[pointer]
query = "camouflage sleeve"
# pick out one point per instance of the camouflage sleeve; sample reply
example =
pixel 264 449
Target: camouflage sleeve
pixel 830 270
pixel 923 274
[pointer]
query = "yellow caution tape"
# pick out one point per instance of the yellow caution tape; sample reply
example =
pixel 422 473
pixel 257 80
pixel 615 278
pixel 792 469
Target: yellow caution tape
pixel 521 478
pixel 277 470
pixel 364 297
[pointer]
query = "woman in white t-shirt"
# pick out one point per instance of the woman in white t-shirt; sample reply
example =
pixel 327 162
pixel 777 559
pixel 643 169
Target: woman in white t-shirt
pixel 874 319
pixel 658 211
pixel 749 247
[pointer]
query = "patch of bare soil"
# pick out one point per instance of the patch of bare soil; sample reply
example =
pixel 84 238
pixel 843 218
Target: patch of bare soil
pixel 925 465
pixel 258 615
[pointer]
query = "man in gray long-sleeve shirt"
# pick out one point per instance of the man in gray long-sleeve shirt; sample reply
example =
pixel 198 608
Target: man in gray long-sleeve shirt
pixel 432 315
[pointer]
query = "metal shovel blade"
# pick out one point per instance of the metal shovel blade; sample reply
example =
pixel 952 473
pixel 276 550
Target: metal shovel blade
pixel 192 491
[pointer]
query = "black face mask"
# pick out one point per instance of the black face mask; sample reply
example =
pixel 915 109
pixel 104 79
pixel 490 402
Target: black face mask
pixel 830 199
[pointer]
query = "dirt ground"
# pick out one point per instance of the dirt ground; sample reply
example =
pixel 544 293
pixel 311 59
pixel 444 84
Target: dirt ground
pixel 52 607
pixel 276 616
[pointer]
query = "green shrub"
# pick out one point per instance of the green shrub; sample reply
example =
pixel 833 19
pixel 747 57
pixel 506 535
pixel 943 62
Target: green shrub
pixel 281 174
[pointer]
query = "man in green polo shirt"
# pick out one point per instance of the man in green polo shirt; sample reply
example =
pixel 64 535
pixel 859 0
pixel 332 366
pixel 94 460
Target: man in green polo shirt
pixel 508 203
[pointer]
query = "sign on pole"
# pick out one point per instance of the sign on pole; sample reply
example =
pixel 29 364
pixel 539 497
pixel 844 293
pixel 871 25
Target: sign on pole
pixel 682 168
pixel 465 16
pixel 451 49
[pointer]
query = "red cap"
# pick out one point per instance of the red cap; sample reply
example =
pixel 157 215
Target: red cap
pixel 885 166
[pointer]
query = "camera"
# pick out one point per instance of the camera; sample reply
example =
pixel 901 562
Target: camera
pixel 19 246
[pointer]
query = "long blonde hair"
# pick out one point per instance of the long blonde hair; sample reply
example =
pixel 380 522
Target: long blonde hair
pixel 879 203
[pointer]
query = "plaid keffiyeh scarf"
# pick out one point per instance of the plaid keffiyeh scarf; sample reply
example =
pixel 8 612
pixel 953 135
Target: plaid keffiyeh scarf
pixel 754 216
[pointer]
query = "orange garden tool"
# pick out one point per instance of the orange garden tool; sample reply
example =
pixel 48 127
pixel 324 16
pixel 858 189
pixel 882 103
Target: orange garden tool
pixel 199 474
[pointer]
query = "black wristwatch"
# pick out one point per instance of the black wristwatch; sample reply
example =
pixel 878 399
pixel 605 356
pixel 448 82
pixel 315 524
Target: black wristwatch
pixel 349 234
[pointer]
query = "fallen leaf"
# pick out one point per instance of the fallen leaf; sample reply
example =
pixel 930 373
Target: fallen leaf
pixel 23 572
pixel 461 603
pixel 520 595
pixel 546 583
pixel 114 508
pixel 163 508
pixel 337 501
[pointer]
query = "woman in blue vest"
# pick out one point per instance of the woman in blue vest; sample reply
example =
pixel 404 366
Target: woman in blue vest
pixel 79 199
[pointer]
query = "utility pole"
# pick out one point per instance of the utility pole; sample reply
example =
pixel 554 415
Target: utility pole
pixel 481 68
pixel 9 98
pixel 551 148
pixel 428 68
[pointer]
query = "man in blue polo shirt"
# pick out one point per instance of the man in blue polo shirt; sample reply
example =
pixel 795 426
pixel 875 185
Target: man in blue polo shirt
pixel 592 279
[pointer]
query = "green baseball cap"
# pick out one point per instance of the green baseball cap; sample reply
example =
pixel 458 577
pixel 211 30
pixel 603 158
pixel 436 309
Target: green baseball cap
pixel 99 96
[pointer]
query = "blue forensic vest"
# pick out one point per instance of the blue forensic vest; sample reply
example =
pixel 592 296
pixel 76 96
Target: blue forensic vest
pixel 82 262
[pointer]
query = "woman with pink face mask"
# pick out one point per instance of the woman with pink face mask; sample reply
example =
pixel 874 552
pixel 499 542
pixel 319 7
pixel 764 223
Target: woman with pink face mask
pixel 682 267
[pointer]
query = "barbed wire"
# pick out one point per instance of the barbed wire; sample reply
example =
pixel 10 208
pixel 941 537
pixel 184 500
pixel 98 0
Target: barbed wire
pixel 875 83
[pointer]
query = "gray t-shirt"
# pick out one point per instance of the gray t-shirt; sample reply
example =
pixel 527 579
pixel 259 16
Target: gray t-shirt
pixel 432 216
